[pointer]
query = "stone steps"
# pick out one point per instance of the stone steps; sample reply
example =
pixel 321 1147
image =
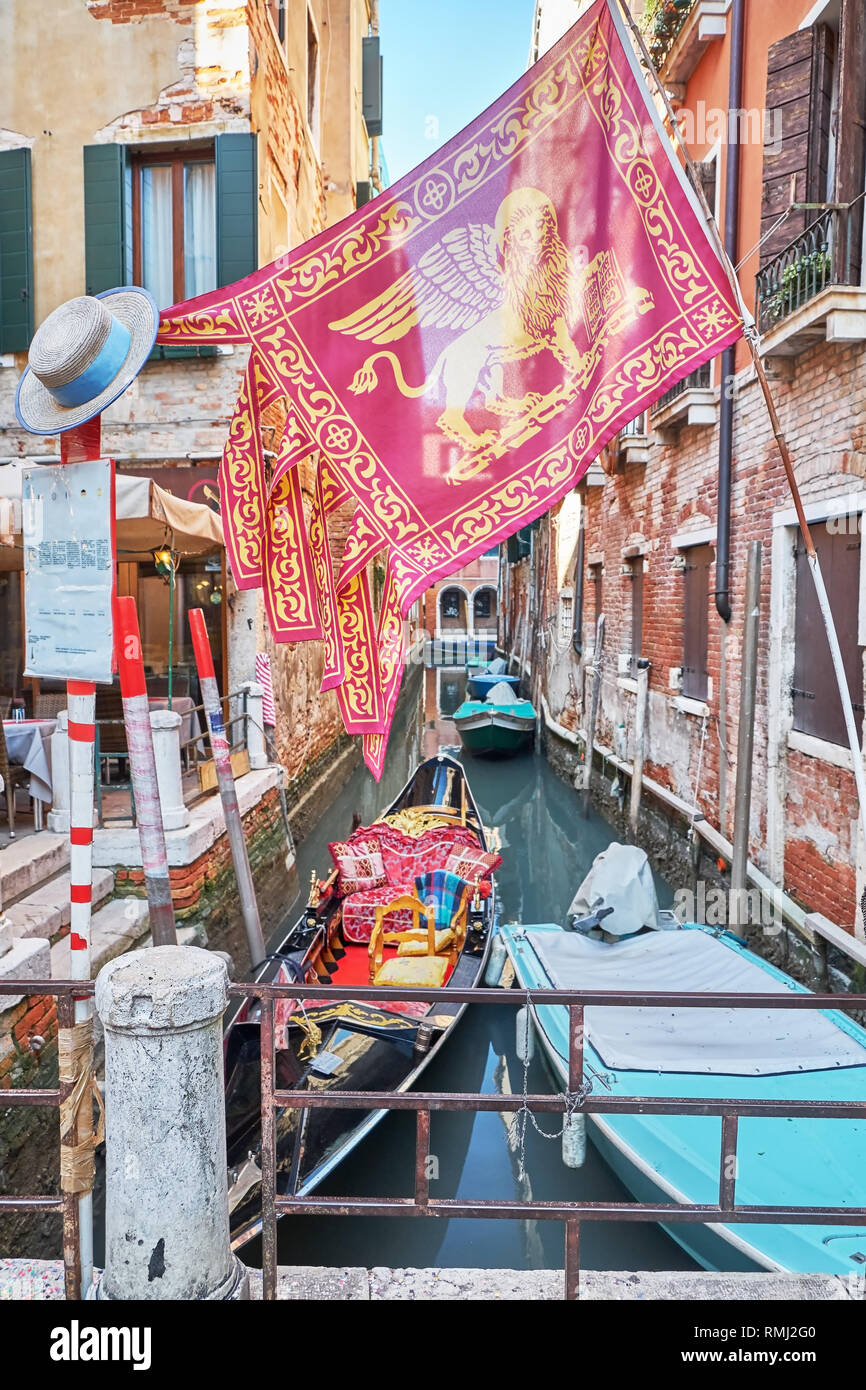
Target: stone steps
pixel 117 927
pixel 45 912
pixel 30 861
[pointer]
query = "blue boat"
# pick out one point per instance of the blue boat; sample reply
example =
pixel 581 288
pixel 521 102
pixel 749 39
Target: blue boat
pixel 817 1055
pixel 479 686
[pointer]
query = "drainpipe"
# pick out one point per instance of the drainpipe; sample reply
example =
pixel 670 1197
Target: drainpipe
pixel 577 632
pixel 726 404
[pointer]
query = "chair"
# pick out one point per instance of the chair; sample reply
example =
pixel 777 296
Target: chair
pixel 427 970
pixel 13 776
pixel 49 703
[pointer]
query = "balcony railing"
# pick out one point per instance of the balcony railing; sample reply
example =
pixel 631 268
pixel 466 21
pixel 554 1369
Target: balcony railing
pixel 637 426
pixel 697 380
pixel 820 256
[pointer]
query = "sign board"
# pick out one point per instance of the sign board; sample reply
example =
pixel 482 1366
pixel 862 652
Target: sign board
pixel 69 570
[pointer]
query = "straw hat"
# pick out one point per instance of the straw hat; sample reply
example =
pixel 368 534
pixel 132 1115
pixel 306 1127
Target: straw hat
pixel 84 356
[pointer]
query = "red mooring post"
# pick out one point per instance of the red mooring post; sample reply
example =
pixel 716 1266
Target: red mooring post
pixel 226 782
pixel 142 764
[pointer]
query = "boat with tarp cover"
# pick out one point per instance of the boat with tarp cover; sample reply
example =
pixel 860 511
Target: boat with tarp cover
pixel 617 942
pixel 498 726
pixel 411 901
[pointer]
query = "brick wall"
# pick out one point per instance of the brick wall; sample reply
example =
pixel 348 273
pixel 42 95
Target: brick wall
pixel 821 398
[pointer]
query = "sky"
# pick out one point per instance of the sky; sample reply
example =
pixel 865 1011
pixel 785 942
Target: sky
pixel 444 61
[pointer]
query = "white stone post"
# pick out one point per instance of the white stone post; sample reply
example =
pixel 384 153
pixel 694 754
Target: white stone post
pixel 165 724
pixel 256 744
pixel 166 1207
pixel 58 816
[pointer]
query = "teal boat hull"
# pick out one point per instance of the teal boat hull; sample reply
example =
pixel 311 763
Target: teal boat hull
pixel 674 1158
pixel 497 731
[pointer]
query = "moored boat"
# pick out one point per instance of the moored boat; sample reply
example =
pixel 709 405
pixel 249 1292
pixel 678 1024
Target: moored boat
pixel 501 725
pixel 740 1053
pixel 430 845
pixel 480 684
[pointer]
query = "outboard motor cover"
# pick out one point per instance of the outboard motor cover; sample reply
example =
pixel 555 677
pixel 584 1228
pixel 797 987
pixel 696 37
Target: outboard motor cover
pixel 621 879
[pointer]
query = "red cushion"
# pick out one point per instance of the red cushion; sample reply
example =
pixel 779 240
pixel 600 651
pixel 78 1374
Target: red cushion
pixel 360 865
pixel 359 911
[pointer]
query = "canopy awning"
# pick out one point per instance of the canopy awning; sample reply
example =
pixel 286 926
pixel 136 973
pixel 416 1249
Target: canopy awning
pixel 147 517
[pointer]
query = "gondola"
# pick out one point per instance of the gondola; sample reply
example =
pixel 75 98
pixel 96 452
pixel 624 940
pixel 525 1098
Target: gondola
pixel 345 1045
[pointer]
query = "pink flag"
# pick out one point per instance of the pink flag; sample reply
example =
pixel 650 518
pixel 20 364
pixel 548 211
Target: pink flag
pixel 459 351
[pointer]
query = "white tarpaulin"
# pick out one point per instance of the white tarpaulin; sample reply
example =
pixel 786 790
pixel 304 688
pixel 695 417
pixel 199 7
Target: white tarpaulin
pixel 146 517
pixel 733 1042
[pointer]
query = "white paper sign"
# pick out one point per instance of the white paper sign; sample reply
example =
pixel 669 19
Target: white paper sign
pixel 68 570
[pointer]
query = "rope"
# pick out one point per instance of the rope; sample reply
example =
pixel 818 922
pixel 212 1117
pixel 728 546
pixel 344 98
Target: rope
pixel 75 1047
pixel 572 1100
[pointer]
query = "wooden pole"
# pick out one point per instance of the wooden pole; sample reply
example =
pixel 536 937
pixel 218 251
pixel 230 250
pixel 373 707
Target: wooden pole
pixel 593 711
pixel 751 337
pixel 746 732
pixel 226 782
pixel 142 765
pixel 639 744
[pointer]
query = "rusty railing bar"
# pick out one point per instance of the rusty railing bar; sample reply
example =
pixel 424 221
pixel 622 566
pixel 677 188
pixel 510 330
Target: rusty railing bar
pixel 572 1258
pixel 69 1200
pixel 589 998
pixel 269 1156
pixel 552 1103
pixel 26 1096
pixel 23 1203
pixel 565 1211
pixel 422 1153
pixel 728 1161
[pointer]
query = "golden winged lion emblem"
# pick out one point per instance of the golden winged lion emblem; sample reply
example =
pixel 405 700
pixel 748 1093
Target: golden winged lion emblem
pixel 509 291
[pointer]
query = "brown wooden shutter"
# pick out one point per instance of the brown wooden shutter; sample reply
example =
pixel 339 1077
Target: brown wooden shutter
pixel 851 137
pixel 798 103
pixel 816 704
pixel 699 561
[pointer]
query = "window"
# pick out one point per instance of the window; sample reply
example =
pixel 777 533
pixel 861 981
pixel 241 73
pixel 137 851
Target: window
pixel 312 79
pixel 277 10
pixel 817 708
pixel 481 604
pixel 696 577
pixel 595 579
pixel 451 603
pixel 636 613
pixel 174 225
pixel 566 611
pixel 16 252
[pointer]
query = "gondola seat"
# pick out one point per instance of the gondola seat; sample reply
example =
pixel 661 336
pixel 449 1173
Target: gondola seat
pixel 405 859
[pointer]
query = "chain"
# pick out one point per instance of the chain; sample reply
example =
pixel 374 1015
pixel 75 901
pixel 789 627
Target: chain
pixel 572 1101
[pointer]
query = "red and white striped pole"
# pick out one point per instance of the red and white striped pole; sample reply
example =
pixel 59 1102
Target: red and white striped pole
pixel 142 765
pixel 226 783
pixel 77 446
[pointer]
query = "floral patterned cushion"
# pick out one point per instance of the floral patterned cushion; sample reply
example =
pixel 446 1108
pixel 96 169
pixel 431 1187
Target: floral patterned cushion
pixel 472 862
pixel 359 864
pixel 359 911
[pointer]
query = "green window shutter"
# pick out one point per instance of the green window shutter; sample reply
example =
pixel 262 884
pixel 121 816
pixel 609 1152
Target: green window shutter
pixel 236 204
pixel 16 251
pixel 107 218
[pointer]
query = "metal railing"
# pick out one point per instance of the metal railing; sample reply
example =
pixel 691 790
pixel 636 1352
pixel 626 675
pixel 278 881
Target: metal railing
pixel 572 1213
pixel 66 1203
pixel 637 426
pixel 193 751
pixel 701 379
pixel 818 257
pixel 421 1204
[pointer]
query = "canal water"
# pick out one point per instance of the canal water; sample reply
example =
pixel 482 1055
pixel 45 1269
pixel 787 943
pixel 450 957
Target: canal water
pixel 547 847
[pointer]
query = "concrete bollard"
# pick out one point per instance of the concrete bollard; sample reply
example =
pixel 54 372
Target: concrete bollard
pixel 256 745
pixel 165 725
pixel 166 1213
pixel 58 816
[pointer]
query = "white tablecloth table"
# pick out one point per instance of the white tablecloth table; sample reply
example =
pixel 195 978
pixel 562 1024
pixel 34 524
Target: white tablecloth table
pixel 28 745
